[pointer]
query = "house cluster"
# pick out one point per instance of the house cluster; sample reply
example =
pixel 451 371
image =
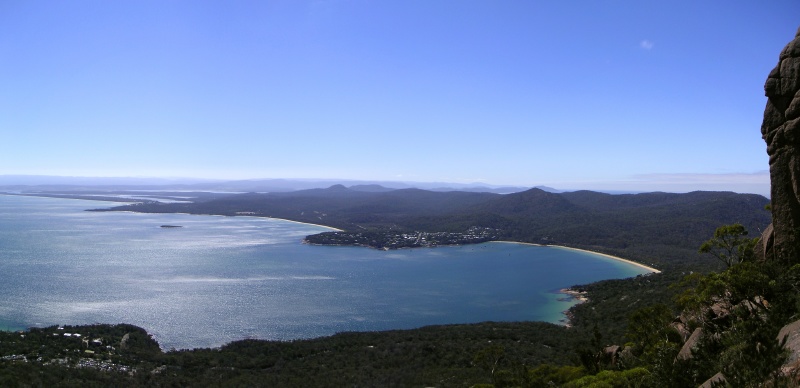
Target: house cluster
pixel 395 240
pixel 86 341
pixel 432 239
pixel 63 346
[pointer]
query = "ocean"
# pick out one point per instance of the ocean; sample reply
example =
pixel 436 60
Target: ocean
pixel 220 279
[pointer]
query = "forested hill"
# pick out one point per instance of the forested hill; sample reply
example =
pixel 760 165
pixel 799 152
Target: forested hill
pixel 656 228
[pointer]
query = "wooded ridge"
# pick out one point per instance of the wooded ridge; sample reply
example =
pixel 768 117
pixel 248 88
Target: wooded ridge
pixel 660 229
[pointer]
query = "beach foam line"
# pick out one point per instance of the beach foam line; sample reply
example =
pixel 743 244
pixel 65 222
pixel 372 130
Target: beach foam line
pixel 651 269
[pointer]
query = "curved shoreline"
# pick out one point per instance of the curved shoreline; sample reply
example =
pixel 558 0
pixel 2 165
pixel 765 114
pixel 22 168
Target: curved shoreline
pixel 296 222
pixel 648 268
pixel 640 265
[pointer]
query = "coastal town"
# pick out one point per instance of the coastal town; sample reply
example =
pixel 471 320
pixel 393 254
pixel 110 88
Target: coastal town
pixel 388 239
pixel 106 348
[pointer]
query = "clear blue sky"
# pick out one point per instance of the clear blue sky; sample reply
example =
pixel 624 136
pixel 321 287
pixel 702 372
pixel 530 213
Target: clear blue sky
pixel 644 95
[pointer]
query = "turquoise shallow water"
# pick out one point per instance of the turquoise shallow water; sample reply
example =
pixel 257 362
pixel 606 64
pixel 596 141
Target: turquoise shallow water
pixel 220 279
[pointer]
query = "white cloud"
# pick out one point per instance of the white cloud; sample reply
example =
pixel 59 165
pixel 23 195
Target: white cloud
pixel 646 44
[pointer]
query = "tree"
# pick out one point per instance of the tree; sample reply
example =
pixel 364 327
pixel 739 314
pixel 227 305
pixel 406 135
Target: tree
pixel 730 245
pixel 489 358
pixel 648 328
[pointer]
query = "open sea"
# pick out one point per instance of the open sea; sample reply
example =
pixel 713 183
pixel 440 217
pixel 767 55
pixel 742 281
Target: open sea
pixel 221 279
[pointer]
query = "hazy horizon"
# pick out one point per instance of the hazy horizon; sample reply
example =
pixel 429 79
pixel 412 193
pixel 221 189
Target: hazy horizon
pixel 610 187
pixel 599 96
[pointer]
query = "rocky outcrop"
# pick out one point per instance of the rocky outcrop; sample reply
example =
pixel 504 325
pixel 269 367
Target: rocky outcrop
pixel 124 343
pixel 717 380
pixel 680 325
pixel 690 345
pixel 781 131
pixel 790 337
pixel 611 354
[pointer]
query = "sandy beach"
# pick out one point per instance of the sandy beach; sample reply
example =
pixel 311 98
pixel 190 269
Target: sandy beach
pixel 332 229
pixel 651 269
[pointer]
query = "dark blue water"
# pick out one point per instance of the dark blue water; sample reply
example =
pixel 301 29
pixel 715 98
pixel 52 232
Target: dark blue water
pixel 219 279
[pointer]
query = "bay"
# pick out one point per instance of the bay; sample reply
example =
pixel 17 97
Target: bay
pixel 220 279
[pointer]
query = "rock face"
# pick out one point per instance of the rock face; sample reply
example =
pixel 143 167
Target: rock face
pixel 690 345
pixel 791 334
pixel 781 131
pixel 717 380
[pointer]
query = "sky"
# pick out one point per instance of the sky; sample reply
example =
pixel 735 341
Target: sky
pixel 604 95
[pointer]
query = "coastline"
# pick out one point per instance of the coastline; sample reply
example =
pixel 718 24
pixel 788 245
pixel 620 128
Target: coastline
pixel 648 268
pixel 640 265
pixel 579 297
pixel 237 216
pixel 193 214
pixel 296 222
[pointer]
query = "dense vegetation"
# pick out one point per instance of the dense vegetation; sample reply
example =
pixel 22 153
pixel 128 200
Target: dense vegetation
pixel 727 323
pixel 453 356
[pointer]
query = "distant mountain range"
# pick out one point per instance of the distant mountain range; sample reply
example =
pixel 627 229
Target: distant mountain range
pixel 31 183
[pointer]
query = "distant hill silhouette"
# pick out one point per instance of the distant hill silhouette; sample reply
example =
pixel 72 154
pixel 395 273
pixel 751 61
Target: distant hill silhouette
pixel 39 183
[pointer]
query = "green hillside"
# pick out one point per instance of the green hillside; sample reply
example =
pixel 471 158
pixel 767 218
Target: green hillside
pixel 661 229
